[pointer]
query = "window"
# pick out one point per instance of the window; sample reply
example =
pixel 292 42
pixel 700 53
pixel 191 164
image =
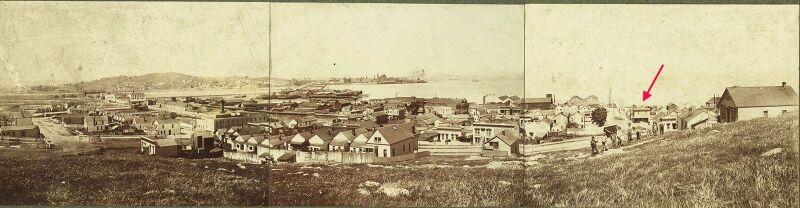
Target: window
pixel 200 143
pixel 766 113
pixel 494 145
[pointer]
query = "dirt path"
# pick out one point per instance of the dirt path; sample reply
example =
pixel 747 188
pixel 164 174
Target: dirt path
pixel 53 131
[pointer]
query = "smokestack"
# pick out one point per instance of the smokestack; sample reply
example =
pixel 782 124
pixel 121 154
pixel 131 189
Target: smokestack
pixel 222 106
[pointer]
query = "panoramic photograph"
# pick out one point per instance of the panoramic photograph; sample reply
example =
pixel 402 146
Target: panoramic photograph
pixel 398 105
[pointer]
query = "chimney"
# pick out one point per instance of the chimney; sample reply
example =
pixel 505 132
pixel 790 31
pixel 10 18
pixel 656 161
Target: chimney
pixel 503 133
pixel 222 105
pixel 783 84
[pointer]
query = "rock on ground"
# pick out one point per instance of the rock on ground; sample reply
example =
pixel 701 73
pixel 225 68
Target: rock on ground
pixel 370 184
pixel 504 183
pixel 363 192
pixel 392 190
pixel 772 152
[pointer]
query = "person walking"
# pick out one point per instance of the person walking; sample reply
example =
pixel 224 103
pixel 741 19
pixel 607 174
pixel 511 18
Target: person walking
pixel 605 141
pixel 638 135
pixel 594 146
pixel 629 134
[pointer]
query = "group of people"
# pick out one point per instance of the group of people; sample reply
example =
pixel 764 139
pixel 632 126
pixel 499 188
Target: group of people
pixel 612 141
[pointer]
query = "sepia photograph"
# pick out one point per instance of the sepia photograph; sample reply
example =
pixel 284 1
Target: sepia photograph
pixel 423 104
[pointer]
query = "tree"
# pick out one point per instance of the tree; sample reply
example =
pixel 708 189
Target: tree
pixel 599 116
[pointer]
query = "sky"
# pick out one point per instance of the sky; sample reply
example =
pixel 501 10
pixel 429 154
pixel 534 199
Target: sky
pixel 591 49
pixel 83 41
pixel 568 49
pixel 57 42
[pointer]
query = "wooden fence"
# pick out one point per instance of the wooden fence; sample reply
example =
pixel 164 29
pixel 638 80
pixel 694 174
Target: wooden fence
pixel 242 156
pixel 354 157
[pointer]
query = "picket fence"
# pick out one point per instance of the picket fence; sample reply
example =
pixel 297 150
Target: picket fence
pixel 243 156
pixel 354 157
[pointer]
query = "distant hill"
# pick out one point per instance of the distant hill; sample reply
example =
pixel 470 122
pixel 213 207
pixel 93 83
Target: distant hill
pixel 171 81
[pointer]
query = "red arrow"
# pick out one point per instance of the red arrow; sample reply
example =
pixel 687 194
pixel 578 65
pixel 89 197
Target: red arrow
pixel 646 94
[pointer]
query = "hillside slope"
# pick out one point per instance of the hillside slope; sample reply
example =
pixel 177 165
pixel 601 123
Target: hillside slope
pixel 173 81
pixel 721 166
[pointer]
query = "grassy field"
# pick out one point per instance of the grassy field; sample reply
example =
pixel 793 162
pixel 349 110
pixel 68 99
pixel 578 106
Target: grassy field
pixel 716 167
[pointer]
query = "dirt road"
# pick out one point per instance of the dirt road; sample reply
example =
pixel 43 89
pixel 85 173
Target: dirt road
pixel 53 131
pixel 570 144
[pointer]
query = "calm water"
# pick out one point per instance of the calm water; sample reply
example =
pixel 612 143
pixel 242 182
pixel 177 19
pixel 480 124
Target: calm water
pixel 472 91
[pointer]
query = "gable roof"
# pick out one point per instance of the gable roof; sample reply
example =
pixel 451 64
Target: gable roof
pixel 348 137
pixel 394 133
pixel 507 136
pixel 255 140
pixel 337 142
pixel 694 112
pixel 304 135
pixel 360 143
pixel 274 140
pixel 743 97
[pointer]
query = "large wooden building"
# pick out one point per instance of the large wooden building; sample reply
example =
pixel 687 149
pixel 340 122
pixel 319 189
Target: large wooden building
pixel 743 103
pixel 546 103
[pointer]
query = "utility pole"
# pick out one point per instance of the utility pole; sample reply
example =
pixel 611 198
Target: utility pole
pixel 524 88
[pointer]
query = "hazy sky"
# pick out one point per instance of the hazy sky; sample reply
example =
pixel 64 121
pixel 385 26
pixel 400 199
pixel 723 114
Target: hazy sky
pixel 589 49
pixel 49 41
pixel 571 49
pixel 396 39
pixel 105 39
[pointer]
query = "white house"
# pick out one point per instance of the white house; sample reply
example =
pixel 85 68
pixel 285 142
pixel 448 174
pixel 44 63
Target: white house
pixel 668 122
pixel 359 144
pixel 560 122
pixel 537 129
pixel 320 140
pixel 393 140
pixel 506 141
pixel 299 140
pixel 451 133
pixel 482 132
pixel 341 142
